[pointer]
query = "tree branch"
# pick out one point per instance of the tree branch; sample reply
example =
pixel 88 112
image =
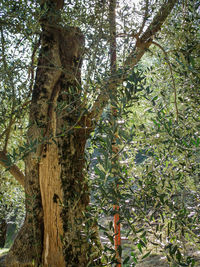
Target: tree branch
pixel 142 44
pixel 31 72
pixel 14 170
pixel 172 77
pixel 146 13
pixel 158 20
pixel 19 110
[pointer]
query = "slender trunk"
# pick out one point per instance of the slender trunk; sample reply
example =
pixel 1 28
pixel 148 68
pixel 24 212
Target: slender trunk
pixel 115 147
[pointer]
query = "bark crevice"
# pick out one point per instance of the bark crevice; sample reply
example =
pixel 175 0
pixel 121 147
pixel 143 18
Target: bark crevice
pixel 56 186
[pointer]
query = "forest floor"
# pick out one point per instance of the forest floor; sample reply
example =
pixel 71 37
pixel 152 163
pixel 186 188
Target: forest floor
pixel 157 259
pixel 160 261
pixel 152 261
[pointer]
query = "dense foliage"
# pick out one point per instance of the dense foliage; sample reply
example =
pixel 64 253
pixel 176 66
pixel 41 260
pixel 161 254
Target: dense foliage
pixel 157 182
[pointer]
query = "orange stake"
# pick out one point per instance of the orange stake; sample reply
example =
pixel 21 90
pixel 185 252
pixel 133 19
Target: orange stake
pixel 117 239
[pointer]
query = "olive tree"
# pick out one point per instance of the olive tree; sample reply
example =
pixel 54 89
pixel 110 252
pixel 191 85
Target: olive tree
pixel 63 111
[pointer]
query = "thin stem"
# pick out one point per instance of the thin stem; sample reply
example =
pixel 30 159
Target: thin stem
pixel 172 77
pixel 146 13
pixel 8 130
pixel 31 73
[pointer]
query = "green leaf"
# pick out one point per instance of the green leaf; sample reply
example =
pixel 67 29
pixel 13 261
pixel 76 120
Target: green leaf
pixel 146 255
pixel 99 172
pixel 139 247
pixel 178 255
pixel 126 260
pixel 134 257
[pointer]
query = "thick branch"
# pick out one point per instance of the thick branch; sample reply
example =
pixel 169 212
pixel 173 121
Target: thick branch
pixel 142 44
pixel 57 4
pixel 158 20
pixel 14 170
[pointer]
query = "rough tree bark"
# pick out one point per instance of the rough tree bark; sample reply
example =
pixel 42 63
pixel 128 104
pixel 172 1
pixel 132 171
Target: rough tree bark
pixel 3 229
pixel 55 183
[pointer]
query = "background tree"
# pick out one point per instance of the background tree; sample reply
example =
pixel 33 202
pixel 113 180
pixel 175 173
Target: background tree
pixel 12 209
pixel 158 196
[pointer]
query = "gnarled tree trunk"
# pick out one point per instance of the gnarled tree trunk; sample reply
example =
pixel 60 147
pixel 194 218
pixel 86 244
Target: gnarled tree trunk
pixel 56 187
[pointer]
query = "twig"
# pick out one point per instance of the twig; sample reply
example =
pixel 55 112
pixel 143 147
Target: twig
pixel 172 77
pixel 146 13
pixel 8 130
pixel 31 68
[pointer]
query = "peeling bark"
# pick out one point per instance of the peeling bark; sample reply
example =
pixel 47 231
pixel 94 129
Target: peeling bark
pixel 51 191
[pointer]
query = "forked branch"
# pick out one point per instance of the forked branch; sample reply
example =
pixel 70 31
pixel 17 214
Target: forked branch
pixel 143 43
